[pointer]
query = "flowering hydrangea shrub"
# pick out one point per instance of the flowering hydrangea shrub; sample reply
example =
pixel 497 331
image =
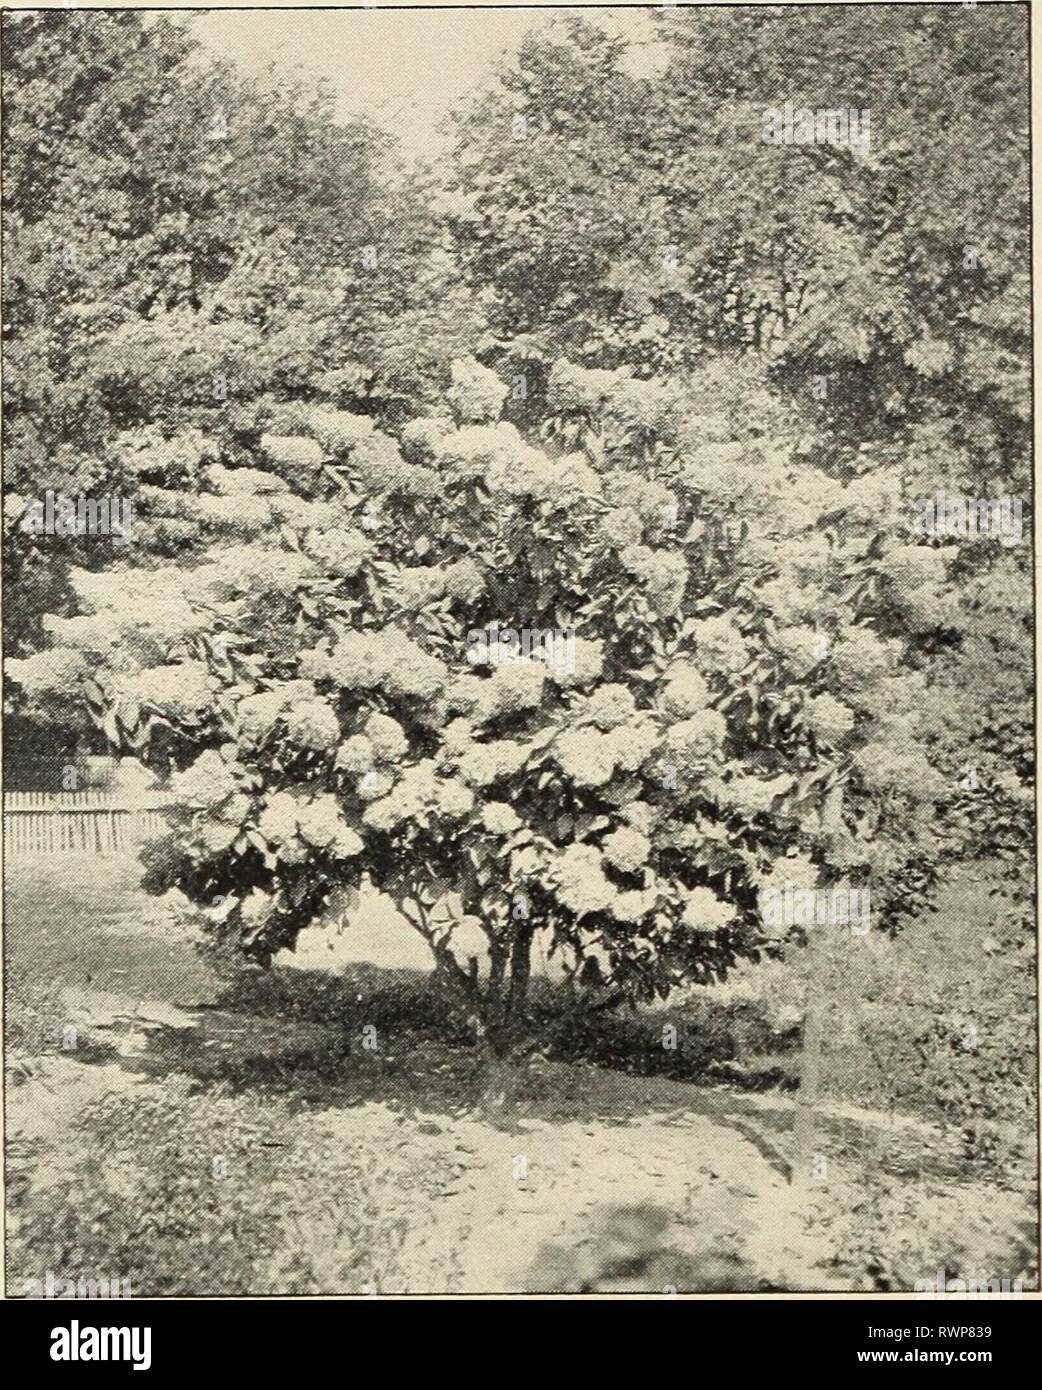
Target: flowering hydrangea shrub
pixel 738 709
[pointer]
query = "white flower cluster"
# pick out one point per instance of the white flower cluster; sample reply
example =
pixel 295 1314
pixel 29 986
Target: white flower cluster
pixel 590 757
pixel 684 693
pixel 146 450
pixel 511 468
pixel 651 501
pixel 381 469
pixel 643 404
pixel 243 482
pixel 420 792
pixel 306 515
pixel 719 646
pixel 572 388
pixel 500 819
pixel 620 528
pixel 293 451
pixel 723 471
pixel 828 719
pixel 663 573
pixel 421 439
pixel 887 767
pixel 801 648
pixel 611 705
pixel 252 569
pixel 911 566
pixel 149 605
pixel 689 747
pixel 308 719
pixel 312 724
pixel 532 473
pixel 206 783
pixel 587 663
pixel 247 513
pixel 415 586
pixel 181 690
pixel 341 552
pixel 52 672
pixel 705 912
pixel 513 688
pixel 753 795
pixel 85 634
pixel 385 660
pixel 627 849
pixel 579 882
pixel 485 763
pixel 621 400
pixel 336 430
pixel 476 393
pixel 860 657
pixel 297 823
pixel 373 756
pixel 471 452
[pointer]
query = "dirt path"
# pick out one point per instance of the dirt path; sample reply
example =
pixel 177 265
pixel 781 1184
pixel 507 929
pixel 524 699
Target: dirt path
pixel 631 1197
pixel 660 1203
pixel 657 1186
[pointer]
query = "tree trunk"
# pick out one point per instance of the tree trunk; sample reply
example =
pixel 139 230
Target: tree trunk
pixel 505 1025
pixel 499 1080
pixel 810 1067
pixel 520 975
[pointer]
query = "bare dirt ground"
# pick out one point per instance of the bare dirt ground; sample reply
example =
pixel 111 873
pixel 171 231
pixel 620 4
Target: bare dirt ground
pixel 655 1186
pixel 380 1174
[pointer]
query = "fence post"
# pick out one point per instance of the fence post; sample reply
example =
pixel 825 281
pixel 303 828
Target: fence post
pixel 810 1059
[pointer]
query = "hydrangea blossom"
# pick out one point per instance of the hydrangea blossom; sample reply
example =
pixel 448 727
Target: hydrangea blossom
pixel 589 663
pixel 499 818
pixel 685 692
pixel 342 552
pixel 719 644
pixel 662 573
pixel 512 688
pixel 386 737
pixel 472 451
pixel 581 883
pixel 589 758
pixel 476 393
pixel 705 912
pixel 292 451
pixel 611 705
pixel 627 849
pixel 312 724
pixel 182 690
pixel 206 782
pixel 485 763
pixel 355 755
pixel 829 719
pixel 753 795
pixel 621 528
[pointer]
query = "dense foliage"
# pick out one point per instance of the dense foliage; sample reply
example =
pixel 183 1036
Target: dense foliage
pixel 638 378
pixel 725 713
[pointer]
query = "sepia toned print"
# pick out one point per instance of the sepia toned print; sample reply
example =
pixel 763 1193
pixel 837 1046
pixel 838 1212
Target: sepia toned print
pixel 518 650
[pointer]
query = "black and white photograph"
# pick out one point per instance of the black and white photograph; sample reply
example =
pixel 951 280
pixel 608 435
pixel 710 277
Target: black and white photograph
pixel 519 655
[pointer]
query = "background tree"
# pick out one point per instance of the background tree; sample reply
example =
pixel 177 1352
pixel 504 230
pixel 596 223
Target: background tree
pixel 185 248
pixel 644 220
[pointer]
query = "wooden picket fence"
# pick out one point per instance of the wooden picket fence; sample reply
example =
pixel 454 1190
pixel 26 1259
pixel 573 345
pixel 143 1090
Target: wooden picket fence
pixel 45 825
